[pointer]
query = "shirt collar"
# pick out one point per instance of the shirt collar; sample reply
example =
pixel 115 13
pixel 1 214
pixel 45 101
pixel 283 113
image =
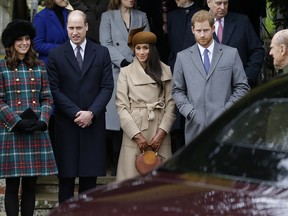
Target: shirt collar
pixel 83 45
pixel 210 48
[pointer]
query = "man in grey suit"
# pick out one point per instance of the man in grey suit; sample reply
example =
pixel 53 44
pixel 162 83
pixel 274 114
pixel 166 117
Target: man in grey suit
pixel 203 90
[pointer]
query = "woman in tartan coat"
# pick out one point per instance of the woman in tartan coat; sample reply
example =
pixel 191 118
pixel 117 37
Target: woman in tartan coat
pixel 25 148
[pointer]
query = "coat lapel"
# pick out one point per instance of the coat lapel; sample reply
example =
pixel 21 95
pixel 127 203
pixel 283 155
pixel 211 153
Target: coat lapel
pixel 140 77
pixel 57 23
pixel 197 59
pixel 120 23
pixel 229 26
pixel 70 56
pixel 217 53
pixel 88 57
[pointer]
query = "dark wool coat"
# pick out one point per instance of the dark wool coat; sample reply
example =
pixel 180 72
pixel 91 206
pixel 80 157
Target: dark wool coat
pixel 80 152
pixel 24 154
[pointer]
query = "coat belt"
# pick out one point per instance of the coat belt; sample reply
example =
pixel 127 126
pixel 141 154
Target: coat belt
pixel 150 110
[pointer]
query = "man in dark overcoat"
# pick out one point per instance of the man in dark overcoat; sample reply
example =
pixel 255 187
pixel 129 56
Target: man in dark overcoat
pixel 81 82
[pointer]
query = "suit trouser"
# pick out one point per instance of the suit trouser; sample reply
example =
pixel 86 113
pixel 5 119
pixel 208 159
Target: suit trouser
pixel 67 186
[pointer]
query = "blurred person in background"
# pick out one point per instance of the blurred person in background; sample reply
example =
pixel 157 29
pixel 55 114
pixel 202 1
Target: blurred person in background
pixel 51 30
pixel 279 51
pixel 237 31
pixel 93 9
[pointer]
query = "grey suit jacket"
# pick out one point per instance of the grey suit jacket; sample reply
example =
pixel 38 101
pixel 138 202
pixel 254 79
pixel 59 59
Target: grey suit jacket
pixel 201 98
pixel 114 35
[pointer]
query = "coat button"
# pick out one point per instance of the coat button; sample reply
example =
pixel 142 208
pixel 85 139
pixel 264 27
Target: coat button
pixel 19 102
pixel 17 79
pixel 34 102
pixel 18 91
pixel 32 79
pixel 33 90
pixel 117 44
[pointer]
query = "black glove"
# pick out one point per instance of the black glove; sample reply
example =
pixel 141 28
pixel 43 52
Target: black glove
pixel 23 124
pixel 38 126
pixel 124 63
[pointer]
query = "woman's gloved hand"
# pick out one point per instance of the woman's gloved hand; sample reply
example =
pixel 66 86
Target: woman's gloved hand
pixel 38 126
pixel 23 124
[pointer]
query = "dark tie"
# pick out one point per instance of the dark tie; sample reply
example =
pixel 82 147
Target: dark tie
pixel 206 61
pixel 79 57
pixel 220 31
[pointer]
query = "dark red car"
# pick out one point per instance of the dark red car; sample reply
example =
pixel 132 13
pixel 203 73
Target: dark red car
pixel 237 166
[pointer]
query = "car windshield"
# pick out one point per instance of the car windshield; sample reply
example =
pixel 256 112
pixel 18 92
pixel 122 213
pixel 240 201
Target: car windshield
pixel 253 145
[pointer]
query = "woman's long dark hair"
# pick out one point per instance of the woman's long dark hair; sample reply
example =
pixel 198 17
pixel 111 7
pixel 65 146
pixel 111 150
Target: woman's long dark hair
pixel 153 67
pixel 12 60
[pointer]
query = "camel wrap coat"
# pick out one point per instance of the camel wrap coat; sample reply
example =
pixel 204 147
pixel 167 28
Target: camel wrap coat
pixel 142 107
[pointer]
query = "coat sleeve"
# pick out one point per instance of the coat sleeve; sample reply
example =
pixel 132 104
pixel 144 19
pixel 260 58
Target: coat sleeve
pixel 45 99
pixel 255 52
pixel 8 117
pixel 107 85
pixel 179 90
pixel 128 124
pixel 169 113
pixel 239 81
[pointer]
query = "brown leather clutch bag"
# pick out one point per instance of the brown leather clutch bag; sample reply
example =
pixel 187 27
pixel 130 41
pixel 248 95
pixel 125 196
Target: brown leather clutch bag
pixel 147 161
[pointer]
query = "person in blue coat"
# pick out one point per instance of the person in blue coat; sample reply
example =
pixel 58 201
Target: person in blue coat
pixel 50 25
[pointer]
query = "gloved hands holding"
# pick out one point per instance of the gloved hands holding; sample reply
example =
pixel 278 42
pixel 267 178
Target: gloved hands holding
pixel 38 126
pixel 29 126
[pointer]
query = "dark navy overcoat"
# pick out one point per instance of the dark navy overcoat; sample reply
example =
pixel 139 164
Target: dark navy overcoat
pixel 80 152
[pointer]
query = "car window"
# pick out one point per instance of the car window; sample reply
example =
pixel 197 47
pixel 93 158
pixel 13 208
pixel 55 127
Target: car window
pixel 253 145
pixel 262 126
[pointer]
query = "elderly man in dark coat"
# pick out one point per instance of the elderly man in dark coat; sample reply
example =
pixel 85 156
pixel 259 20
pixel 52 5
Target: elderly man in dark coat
pixel 81 91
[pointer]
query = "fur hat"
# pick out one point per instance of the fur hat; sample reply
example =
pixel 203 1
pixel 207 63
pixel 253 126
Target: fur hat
pixel 16 29
pixel 144 37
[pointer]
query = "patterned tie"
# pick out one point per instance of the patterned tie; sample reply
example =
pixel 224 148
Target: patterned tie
pixel 79 57
pixel 220 31
pixel 206 61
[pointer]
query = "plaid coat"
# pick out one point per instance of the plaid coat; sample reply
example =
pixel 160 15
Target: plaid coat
pixel 24 154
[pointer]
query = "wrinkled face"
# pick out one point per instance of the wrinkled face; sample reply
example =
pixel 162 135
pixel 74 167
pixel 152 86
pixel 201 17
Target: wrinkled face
pixel 61 3
pixel 203 33
pixel 142 52
pixel 77 29
pixel 22 45
pixel 277 52
pixel 218 8
pixel 128 3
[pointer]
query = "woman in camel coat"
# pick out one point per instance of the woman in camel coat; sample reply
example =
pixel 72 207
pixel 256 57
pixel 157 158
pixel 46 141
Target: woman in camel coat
pixel 144 104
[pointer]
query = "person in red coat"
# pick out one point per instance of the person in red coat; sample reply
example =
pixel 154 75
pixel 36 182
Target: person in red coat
pixel 81 93
pixel 25 107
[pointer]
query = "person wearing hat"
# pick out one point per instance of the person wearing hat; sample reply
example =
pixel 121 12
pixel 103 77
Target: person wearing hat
pixel 144 104
pixel 25 107
pixel 115 26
